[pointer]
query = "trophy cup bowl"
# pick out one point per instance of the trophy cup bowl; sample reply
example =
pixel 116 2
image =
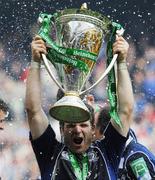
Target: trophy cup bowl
pixel 74 38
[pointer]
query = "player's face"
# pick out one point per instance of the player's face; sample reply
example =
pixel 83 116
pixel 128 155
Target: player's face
pixel 78 136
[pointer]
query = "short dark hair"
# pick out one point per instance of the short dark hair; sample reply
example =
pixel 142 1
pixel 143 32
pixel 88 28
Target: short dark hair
pixel 103 119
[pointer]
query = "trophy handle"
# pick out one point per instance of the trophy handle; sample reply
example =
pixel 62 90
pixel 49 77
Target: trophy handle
pixel 103 75
pixel 45 61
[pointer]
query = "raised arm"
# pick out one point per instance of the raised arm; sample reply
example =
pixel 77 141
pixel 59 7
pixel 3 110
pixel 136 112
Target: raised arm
pixel 37 119
pixel 124 87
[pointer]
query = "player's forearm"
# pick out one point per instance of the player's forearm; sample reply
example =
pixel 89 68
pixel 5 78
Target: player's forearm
pixel 33 90
pixel 125 94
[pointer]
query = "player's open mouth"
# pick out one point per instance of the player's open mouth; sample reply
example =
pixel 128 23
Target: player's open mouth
pixel 77 140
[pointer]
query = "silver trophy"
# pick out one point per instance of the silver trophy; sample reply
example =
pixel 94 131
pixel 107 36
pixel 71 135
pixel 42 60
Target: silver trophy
pixel 74 39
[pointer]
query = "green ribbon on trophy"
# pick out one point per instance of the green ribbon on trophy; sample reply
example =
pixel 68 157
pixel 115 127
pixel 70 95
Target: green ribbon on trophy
pixel 111 76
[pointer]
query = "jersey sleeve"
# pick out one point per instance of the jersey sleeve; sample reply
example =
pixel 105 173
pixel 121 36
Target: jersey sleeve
pixel 44 148
pixel 114 144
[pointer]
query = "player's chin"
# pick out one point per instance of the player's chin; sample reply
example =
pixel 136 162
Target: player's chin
pixel 80 150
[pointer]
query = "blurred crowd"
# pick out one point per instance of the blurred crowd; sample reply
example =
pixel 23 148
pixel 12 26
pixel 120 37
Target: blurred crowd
pixel 17 160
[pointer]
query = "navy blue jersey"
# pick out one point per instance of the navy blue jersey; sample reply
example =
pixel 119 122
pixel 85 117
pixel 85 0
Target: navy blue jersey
pixel 137 162
pixel 103 156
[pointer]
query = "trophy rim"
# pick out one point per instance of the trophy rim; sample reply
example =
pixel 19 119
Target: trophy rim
pixel 96 18
pixel 87 12
pixel 81 17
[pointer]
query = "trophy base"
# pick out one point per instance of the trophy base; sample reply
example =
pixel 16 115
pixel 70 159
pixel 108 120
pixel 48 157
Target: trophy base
pixel 70 109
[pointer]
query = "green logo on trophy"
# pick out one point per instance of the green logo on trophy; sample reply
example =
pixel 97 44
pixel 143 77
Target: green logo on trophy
pixel 74 39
